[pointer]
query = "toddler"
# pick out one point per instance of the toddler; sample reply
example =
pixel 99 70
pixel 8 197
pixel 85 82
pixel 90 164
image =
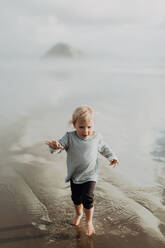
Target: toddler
pixel 82 147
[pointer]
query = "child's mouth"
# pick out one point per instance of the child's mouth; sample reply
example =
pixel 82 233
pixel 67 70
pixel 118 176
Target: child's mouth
pixel 85 136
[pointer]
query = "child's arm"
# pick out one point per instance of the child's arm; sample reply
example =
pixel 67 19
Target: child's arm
pixel 107 152
pixel 54 145
pixel 62 144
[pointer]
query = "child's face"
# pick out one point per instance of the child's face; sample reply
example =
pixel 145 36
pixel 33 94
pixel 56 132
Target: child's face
pixel 84 128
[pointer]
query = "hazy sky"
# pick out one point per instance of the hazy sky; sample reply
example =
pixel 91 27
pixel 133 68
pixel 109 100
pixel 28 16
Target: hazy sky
pixel 119 27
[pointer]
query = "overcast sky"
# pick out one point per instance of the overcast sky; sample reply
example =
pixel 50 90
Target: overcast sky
pixel 119 27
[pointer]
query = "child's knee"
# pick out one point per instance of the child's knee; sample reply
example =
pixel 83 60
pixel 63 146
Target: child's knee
pixel 88 201
pixel 76 200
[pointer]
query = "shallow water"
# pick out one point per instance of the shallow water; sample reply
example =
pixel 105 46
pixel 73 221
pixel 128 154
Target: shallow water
pixel 37 100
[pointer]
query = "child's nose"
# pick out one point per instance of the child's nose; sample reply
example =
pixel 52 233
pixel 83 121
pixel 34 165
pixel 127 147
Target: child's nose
pixel 86 130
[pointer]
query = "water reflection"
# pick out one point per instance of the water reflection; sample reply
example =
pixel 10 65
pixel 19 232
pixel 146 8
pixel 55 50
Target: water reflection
pixel 70 235
pixel 159 157
pixel 159 152
pixel 82 240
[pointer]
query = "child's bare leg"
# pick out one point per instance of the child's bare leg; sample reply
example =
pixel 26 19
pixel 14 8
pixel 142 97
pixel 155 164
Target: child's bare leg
pixel 79 214
pixel 89 216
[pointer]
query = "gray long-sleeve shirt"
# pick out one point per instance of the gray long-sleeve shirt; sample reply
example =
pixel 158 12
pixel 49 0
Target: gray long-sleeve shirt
pixel 82 156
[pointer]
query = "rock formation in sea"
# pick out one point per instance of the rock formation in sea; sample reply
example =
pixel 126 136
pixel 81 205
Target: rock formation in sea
pixel 63 50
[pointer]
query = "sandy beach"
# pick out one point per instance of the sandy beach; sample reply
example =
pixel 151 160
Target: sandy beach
pixel 35 208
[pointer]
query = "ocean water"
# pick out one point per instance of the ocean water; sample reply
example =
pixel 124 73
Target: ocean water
pixel 37 98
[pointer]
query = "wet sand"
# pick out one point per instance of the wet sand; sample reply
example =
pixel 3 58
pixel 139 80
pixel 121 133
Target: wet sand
pixel 37 211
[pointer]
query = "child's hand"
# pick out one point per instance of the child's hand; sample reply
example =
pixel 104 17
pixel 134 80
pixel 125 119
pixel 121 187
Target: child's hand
pixel 114 163
pixel 54 144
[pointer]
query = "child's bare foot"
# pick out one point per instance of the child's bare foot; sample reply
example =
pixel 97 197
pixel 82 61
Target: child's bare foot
pixel 90 229
pixel 76 220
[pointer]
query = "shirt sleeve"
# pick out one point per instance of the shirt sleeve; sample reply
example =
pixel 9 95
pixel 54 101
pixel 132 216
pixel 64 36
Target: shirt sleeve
pixel 106 151
pixel 64 141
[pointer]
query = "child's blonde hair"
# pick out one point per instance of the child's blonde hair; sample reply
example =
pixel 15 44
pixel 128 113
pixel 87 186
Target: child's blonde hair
pixel 82 113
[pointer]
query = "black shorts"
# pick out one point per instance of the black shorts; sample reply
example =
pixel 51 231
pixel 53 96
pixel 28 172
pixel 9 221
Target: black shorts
pixel 83 193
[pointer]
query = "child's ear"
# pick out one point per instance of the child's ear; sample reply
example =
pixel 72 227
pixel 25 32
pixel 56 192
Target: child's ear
pixel 74 123
pixel 70 122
